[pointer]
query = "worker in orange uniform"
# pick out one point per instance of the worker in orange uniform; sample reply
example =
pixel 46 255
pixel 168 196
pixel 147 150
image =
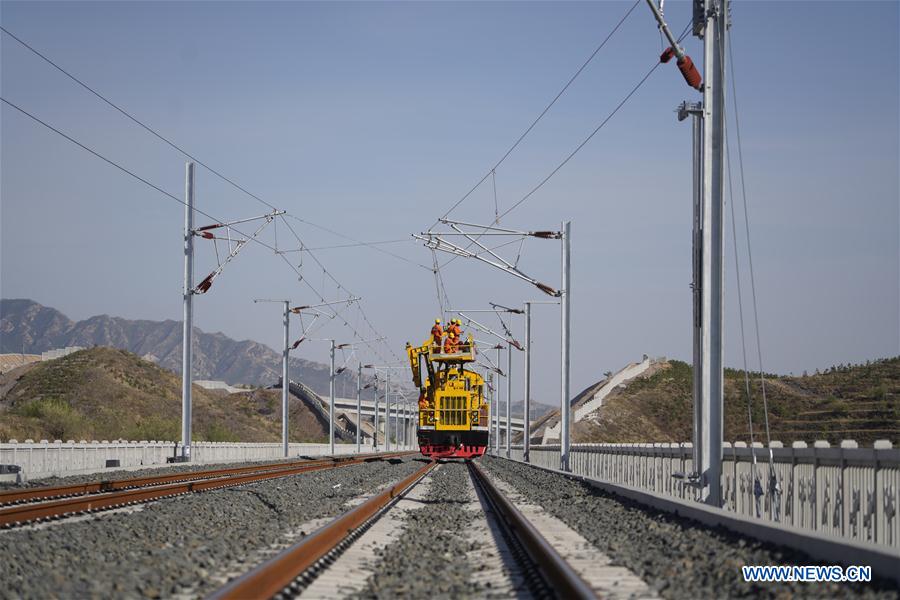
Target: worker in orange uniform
pixel 456 328
pixel 452 344
pixel 437 335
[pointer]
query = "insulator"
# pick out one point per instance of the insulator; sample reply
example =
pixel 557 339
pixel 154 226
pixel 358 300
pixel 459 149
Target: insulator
pixel 547 289
pixel 689 72
pixel 207 235
pixel 206 283
pixel 207 227
pixel 667 55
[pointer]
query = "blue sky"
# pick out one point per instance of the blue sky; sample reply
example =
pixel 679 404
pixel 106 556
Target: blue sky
pixel 373 118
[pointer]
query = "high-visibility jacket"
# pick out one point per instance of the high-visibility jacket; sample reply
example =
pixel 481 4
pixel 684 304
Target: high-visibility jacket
pixel 437 332
pixel 451 346
pixel 454 329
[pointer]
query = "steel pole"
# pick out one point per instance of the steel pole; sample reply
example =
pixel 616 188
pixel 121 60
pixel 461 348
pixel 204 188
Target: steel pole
pixel 713 252
pixel 387 411
pixel 285 379
pixel 187 337
pixel 375 419
pixel 509 350
pixel 565 407
pixel 358 405
pixel 696 287
pixel 526 416
pixel 331 405
pixel 493 407
pixel 497 405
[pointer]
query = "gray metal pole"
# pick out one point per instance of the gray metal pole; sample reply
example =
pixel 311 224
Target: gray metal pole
pixel 509 350
pixel 414 424
pixel 713 251
pixel 526 413
pixel 565 408
pixel 387 411
pixel 331 405
pixel 358 405
pixel 697 285
pixel 187 337
pixel 493 407
pixel 497 405
pixel 285 379
pixel 375 421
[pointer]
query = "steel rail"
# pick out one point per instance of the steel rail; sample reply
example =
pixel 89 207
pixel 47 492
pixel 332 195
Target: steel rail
pixel 35 511
pixel 558 574
pixel 273 576
pixel 94 487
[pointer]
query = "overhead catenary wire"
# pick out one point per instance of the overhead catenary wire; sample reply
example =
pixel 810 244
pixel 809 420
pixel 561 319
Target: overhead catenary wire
pixel 579 147
pixel 125 170
pixel 572 154
pixel 130 116
pixel 584 142
pixel 374 245
pixel 543 112
pixel 169 142
pixel 340 286
pixel 157 188
pixel 355 245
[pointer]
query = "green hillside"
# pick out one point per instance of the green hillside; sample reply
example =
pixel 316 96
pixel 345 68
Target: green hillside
pixel 105 393
pixel 859 402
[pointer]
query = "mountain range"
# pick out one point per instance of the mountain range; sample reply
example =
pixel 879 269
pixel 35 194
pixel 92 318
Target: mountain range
pixel 29 327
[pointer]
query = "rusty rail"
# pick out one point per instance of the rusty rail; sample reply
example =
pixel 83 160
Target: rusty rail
pixel 94 487
pixel 25 513
pixel 558 574
pixel 273 576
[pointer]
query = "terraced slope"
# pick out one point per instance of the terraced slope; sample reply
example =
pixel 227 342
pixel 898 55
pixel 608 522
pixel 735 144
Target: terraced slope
pixel 105 393
pixel 859 402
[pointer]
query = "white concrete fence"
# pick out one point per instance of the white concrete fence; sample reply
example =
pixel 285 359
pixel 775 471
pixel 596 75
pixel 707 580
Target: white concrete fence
pixel 60 352
pixel 47 459
pixel 846 491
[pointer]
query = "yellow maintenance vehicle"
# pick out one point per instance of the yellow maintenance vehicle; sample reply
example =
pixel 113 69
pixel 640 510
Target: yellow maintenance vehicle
pixel 453 415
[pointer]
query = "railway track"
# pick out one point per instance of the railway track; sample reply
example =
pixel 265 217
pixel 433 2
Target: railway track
pixel 288 573
pixel 18 507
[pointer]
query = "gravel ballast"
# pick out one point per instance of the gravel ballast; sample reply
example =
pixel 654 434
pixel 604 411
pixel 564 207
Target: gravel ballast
pixel 182 544
pixel 428 560
pixel 677 557
pixel 118 474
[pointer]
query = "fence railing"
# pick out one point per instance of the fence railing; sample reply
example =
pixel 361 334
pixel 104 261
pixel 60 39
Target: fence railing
pixel 46 459
pixel 844 491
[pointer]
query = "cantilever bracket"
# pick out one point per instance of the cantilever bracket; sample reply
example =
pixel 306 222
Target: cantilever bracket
pixel 439 241
pixel 234 246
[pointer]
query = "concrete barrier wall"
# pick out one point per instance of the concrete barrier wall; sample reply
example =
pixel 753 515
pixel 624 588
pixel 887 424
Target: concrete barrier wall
pixel 58 458
pixel 845 491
